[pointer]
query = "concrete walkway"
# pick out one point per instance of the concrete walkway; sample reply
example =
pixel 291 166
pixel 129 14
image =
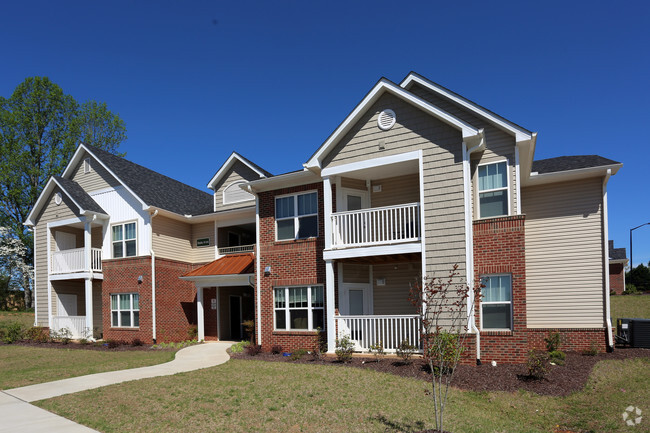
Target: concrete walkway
pixel 18 415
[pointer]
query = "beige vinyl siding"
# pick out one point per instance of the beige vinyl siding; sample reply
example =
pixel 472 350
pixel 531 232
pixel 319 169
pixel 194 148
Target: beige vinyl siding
pixel 564 254
pixel 98 177
pixel 97 307
pixel 348 182
pixel 172 239
pixel 393 298
pixel 200 231
pixel 50 213
pixel 442 172
pixel 356 273
pixel 396 190
pixel 499 144
pixel 238 172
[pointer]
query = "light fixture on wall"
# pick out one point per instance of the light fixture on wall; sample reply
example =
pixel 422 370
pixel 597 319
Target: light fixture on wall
pixel 381 281
pixel 140 279
pixel 267 270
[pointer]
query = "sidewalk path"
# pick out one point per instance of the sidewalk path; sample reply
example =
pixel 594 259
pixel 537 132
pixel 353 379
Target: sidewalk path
pixel 17 415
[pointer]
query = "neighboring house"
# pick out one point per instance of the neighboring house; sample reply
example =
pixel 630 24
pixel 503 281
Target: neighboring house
pixel 416 179
pixel 617 263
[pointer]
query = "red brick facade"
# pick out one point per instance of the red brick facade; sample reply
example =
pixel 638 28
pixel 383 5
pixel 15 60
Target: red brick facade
pixel 617 277
pixel 292 263
pixel 175 298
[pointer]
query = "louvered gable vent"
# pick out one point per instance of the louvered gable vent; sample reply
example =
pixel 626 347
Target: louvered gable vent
pixel 386 119
pixel 234 194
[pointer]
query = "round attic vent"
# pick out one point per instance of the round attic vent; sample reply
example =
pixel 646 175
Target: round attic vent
pixel 57 198
pixel 386 119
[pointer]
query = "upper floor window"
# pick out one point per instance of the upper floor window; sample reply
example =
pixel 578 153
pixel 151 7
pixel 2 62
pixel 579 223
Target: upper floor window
pixel 233 193
pixel 87 167
pixel 493 189
pixel 496 304
pixel 296 216
pixel 124 240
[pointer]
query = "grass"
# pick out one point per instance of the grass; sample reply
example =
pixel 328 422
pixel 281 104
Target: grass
pixel 636 306
pixel 242 396
pixel 25 318
pixel 23 365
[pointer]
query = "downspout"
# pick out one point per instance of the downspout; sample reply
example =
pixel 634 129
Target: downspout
pixel 153 278
pixel 608 323
pixel 469 242
pixel 258 271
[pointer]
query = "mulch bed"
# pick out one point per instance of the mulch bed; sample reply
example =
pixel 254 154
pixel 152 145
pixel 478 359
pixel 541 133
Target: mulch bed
pixel 560 380
pixel 103 347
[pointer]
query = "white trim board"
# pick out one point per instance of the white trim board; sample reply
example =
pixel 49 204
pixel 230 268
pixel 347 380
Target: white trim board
pixel 382 250
pixel 228 164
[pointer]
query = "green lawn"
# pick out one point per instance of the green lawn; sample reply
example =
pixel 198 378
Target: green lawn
pixel 243 396
pixel 23 317
pixel 635 306
pixel 22 365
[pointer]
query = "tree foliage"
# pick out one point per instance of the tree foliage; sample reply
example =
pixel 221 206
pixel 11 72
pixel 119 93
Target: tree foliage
pixel 40 127
pixel 639 277
pixel 15 270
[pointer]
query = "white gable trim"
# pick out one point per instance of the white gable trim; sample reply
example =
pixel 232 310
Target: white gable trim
pixel 519 133
pixel 228 164
pixel 380 88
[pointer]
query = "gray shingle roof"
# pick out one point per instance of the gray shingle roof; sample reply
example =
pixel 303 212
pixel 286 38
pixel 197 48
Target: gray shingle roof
pixel 565 163
pixel 616 253
pixel 79 195
pixel 156 189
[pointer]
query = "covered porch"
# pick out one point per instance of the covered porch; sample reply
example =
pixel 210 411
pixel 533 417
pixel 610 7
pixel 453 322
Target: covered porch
pixel 76 307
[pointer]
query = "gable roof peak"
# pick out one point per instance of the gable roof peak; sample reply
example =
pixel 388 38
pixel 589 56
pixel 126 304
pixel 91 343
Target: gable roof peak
pixel 234 157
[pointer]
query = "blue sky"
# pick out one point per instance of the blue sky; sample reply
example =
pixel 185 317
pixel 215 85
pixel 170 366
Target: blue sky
pixel 195 80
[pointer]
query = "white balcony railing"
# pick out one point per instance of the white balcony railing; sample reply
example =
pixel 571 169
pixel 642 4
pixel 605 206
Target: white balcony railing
pixel 73 260
pixel 390 331
pixel 241 249
pixel 376 226
pixel 75 324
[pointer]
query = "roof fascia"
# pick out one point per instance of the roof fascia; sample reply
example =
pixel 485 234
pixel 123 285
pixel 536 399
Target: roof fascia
pixel 519 133
pixel 221 280
pixel 229 163
pixel 567 175
pixel 623 261
pixel 382 86
pixel 283 181
pixel 195 219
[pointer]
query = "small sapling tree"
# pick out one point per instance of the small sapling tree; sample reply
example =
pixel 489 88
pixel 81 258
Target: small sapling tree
pixel 442 305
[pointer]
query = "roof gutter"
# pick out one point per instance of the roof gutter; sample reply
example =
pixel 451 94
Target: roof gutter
pixel 561 176
pixel 608 322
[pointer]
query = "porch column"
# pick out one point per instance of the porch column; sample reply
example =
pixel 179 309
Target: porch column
pixel 199 314
pixel 329 301
pixel 327 218
pixel 87 245
pixel 89 309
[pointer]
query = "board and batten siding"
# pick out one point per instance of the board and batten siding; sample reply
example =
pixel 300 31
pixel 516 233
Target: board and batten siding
pixel 499 144
pixel 238 172
pixel 442 172
pixel 50 213
pixel 98 178
pixel 564 254
pixel 202 231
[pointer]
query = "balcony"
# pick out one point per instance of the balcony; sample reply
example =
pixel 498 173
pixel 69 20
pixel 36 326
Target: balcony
pixel 240 249
pixel 76 325
pixel 73 261
pixel 376 226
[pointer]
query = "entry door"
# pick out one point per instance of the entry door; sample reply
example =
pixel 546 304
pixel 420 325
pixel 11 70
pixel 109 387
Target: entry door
pixel 356 299
pixel 355 199
pixel 67 305
pixel 235 318
pixel 65 241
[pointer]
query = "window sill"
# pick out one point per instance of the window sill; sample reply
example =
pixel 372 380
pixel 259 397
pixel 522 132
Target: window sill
pixel 294 332
pixel 284 241
pixel 496 332
pixel 125 328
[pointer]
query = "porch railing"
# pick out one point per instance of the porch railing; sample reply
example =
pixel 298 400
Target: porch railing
pixel 375 226
pixel 237 250
pixel 70 261
pixel 390 331
pixel 75 324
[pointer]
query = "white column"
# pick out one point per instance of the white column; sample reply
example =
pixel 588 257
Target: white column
pixel 329 300
pixel 216 291
pixel 89 308
pixel 87 245
pixel 199 314
pixel 327 218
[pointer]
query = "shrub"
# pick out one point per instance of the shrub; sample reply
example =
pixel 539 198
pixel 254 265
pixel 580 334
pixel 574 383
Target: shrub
pixel 65 335
pixel 136 342
pixel 344 349
pixel 377 350
pixel 192 332
pixel 320 344
pixel 276 349
pixel 249 327
pixel 253 349
pixel 631 289
pixel 444 350
pixel 37 334
pixel 239 347
pixel 405 350
pixel 297 354
pixel 552 341
pixel 11 332
pixel 112 344
pixel 536 364
pixel 592 351
pixel 557 357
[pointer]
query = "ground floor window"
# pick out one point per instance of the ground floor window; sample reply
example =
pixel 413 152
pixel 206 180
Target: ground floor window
pixel 125 310
pixel 496 305
pixel 299 308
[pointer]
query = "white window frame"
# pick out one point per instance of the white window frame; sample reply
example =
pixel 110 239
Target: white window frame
pixel 87 166
pixel 234 185
pixel 506 188
pixel 295 217
pixel 118 311
pixel 310 309
pixel 511 303
pixel 123 224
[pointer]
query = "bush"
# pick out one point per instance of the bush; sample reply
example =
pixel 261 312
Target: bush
pixel 239 347
pixel 557 357
pixel 592 351
pixel 406 350
pixel 11 332
pixel 249 327
pixel 344 349
pixel 320 344
pixel 377 350
pixel 276 349
pixel 631 289
pixel 112 344
pixel 444 350
pixel 136 342
pixel 192 332
pixel 552 341
pixel 37 334
pixel 537 364
pixel 65 335
pixel 297 354
pixel 253 349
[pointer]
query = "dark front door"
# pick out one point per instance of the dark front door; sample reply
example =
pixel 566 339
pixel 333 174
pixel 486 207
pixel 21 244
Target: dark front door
pixel 235 318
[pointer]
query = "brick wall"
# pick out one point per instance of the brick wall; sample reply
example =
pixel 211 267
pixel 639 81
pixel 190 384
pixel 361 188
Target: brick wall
pixel 499 248
pixel 617 277
pixel 570 339
pixel 175 299
pixel 293 263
